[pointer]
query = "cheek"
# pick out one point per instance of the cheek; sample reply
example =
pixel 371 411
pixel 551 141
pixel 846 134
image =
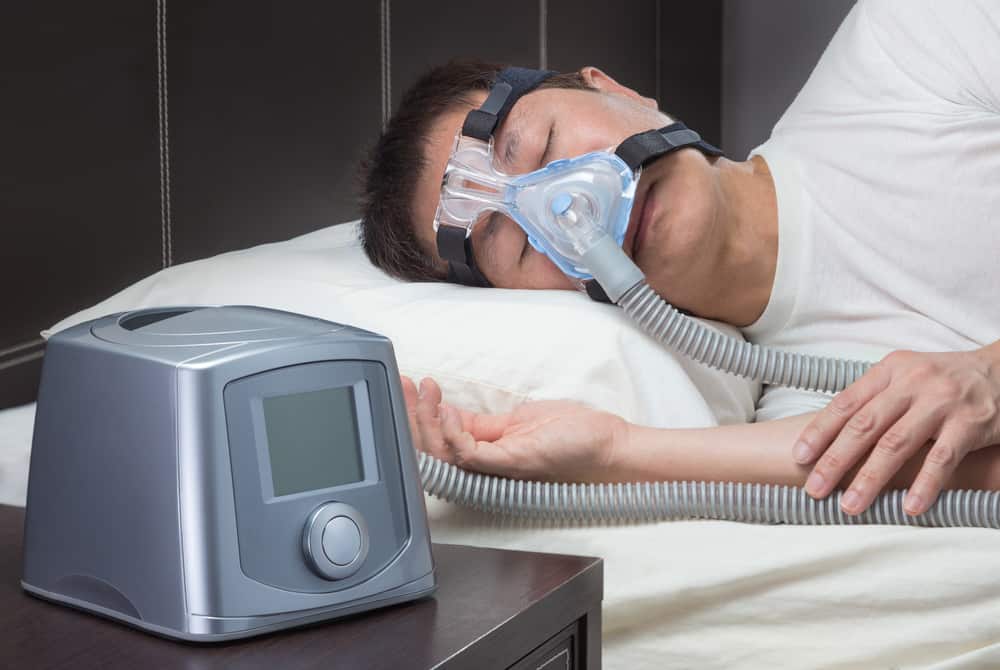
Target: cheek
pixel 686 210
pixel 541 273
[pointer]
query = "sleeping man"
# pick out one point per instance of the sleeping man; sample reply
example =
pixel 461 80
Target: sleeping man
pixel 866 227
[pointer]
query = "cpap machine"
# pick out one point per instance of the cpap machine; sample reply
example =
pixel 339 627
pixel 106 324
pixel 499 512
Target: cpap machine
pixel 214 473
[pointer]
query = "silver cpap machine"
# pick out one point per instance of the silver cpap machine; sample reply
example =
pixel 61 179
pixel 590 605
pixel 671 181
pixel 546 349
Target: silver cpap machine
pixel 209 473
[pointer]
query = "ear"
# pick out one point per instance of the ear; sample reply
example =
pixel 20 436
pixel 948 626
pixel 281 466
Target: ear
pixel 602 81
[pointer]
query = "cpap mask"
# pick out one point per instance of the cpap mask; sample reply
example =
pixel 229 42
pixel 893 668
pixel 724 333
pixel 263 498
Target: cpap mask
pixel 565 208
pixel 576 212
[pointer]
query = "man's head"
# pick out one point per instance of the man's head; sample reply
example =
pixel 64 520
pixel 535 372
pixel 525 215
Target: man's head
pixel 566 116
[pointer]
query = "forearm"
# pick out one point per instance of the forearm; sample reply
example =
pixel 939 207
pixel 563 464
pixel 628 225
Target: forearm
pixel 761 453
pixel 752 452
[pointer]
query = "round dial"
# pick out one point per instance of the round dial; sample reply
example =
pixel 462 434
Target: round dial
pixel 335 540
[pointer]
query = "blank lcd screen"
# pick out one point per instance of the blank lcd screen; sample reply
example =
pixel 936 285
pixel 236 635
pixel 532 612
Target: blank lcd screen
pixel 312 439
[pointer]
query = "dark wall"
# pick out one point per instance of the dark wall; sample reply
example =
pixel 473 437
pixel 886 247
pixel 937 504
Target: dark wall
pixel 769 48
pixel 137 134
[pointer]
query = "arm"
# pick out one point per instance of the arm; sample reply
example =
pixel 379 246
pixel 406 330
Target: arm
pixel 760 453
pixel 916 420
pixel 568 441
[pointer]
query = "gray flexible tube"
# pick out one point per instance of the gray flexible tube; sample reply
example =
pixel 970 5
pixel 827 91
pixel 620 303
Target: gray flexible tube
pixel 661 501
pixel 667 325
pixel 658 501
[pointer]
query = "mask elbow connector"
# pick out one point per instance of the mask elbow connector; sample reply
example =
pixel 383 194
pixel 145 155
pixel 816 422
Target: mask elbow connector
pixel 596 250
pixel 613 270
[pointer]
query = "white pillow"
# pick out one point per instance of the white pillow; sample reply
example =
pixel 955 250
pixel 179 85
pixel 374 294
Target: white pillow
pixel 489 349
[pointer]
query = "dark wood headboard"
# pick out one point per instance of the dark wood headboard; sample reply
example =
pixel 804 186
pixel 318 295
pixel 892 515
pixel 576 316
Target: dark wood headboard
pixel 138 134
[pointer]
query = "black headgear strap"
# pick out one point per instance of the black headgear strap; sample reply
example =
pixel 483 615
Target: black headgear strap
pixel 644 148
pixel 453 244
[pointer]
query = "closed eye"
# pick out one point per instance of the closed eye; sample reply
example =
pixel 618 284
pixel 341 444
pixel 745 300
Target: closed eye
pixel 548 145
pixel 491 223
pixel 486 247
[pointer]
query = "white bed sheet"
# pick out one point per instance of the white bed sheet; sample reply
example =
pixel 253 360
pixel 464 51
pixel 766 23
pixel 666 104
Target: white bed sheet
pixel 712 594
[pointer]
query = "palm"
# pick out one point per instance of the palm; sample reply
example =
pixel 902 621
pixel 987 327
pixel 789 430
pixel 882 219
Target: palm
pixel 547 439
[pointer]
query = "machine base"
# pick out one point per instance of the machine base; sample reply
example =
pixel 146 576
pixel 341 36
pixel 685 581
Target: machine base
pixel 221 629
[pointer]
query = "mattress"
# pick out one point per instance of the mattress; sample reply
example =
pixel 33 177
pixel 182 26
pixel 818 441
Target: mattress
pixel 714 594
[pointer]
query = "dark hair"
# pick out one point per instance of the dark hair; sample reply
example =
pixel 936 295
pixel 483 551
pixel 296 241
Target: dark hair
pixel 390 173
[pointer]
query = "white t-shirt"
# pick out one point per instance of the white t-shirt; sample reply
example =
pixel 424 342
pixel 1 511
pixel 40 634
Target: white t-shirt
pixel 887 172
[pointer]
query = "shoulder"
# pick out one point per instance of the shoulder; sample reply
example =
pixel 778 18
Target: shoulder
pixel 948 48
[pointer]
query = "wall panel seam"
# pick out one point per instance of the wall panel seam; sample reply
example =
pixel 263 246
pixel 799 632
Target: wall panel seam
pixel 543 34
pixel 21 346
pixel 163 118
pixel 386 49
pixel 20 360
pixel 659 50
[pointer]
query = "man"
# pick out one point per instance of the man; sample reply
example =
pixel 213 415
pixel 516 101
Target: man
pixel 868 223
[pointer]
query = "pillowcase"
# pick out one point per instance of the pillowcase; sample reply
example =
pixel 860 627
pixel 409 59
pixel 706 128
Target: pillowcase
pixel 489 349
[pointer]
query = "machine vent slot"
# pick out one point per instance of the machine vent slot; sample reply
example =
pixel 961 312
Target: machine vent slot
pixel 140 321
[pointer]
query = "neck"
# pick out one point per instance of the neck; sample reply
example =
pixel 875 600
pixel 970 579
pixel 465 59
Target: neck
pixel 747 223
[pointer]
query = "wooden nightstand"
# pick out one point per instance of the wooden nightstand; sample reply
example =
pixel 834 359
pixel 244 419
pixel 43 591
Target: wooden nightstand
pixel 493 609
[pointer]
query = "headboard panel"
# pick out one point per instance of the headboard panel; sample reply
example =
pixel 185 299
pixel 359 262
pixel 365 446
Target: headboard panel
pixel 146 133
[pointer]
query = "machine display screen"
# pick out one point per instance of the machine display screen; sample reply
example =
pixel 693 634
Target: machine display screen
pixel 312 440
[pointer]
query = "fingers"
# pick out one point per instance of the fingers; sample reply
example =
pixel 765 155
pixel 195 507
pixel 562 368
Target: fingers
pixel 830 421
pixel 409 392
pixel 939 466
pixel 860 433
pixel 428 426
pixel 453 435
pixel 894 448
pixel 410 397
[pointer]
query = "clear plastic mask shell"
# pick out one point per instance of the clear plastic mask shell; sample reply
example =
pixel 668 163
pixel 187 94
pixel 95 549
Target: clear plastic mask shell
pixel 601 185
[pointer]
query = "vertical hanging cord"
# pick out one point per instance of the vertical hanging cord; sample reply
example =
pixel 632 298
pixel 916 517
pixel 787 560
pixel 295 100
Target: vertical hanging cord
pixel 164 127
pixel 385 24
pixel 658 55
pixel 543 34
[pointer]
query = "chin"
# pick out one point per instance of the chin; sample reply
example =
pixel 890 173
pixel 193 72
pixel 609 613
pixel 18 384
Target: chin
pixel 673 248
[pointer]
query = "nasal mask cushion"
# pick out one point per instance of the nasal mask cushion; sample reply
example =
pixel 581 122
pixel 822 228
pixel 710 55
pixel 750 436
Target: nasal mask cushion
pixel 598 186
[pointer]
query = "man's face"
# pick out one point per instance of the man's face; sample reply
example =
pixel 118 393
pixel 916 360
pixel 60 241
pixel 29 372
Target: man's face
pixel 673 200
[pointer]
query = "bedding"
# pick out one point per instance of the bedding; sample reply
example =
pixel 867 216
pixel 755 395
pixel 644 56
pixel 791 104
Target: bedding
pixel 715 594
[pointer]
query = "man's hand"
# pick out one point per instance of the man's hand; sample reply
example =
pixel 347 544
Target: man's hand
pixel 902 403
pixel 549 440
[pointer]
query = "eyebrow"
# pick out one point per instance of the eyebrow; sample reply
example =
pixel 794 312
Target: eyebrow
pixel 514 142
pixel 548 143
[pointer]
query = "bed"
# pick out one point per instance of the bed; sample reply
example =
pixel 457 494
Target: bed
pixel 680 594
pixel 714 594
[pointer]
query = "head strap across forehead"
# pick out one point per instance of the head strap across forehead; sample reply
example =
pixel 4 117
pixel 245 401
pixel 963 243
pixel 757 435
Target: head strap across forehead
pixel 510 84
